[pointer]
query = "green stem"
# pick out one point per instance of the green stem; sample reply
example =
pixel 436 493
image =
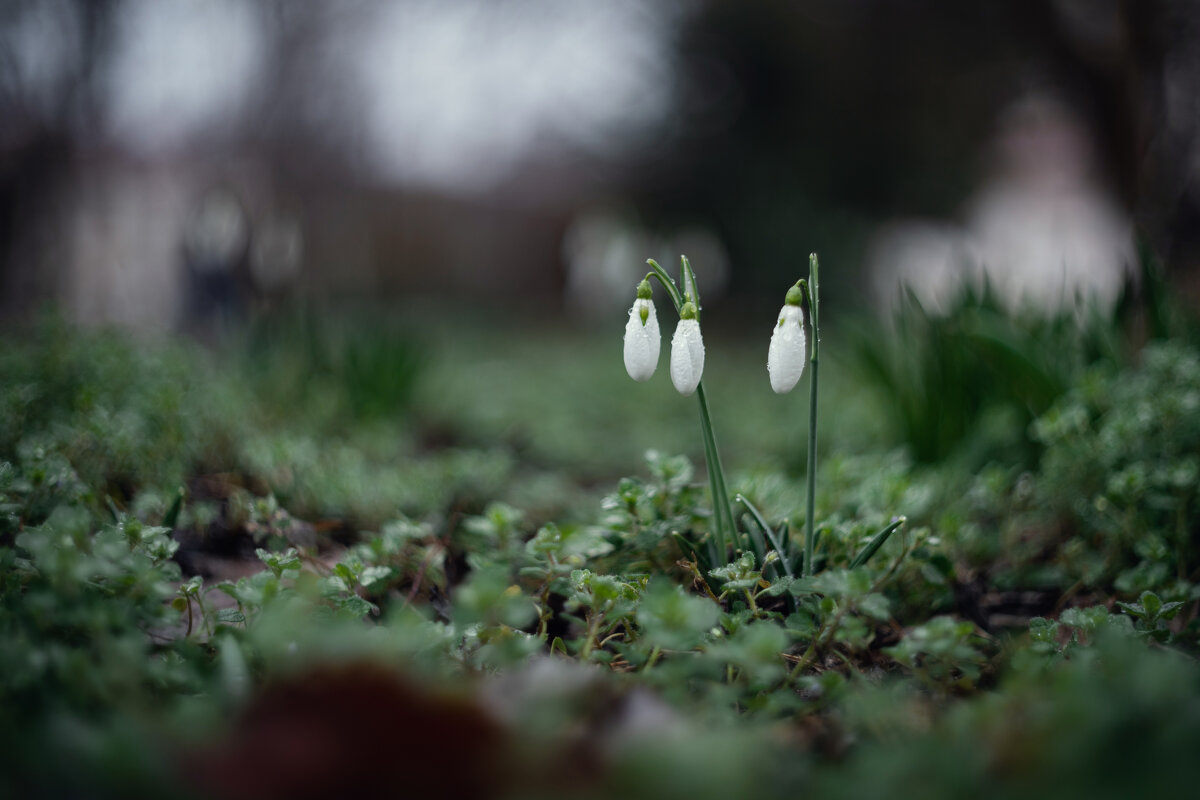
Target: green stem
pixel 654 654
pixel 668 283
pixel 722 512
pixel 813 292
pixel 590 642
pixel 804 662
pixel 753 604
pixel 824 634
pixel 544 613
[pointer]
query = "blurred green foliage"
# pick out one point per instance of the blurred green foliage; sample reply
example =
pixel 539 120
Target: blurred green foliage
pixel 1122 463
pixel 967 381
pixel 362 365
pixel 1113 721
pixel 94 414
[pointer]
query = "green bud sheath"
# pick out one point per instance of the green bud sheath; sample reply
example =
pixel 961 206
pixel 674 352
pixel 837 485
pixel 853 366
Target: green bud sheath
pixel 795 296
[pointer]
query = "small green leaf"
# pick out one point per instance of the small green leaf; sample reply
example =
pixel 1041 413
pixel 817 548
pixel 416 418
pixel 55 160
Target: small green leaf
pixel 1134 610
pixel 1169 610
pixel 354 606
pixel 1086 619
pixel 876 607
pixel 345 573
pixel 1152 604
pixel 372 574
pixel 334 585
pixel 779 587
pixel 802 624
pixel 230 616
pixel 673 619
pixel 1043 630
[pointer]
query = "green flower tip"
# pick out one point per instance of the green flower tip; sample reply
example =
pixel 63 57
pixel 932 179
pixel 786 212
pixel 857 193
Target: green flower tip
pixel 688 311
pixel 644 292
pixel 795 295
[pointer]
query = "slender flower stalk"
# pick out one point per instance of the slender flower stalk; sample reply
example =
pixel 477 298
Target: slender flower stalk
pixel 813 295
pixel 785 364
pixel 690 353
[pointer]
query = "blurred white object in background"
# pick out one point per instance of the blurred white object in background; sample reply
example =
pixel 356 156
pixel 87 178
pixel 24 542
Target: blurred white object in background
pixel 1041 231
pixel 216 233
pixel 276 255
pixel 1044 227
pixel 932 259
pixel 605 254
pixel 119 246
pixel 215 243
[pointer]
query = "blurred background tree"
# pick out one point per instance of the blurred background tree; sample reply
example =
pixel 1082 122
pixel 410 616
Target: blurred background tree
pixel 378 149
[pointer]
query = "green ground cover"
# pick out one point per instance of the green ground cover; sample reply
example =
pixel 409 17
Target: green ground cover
pixel 470 557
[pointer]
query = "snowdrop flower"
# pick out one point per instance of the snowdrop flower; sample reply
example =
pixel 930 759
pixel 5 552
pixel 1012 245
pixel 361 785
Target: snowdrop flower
pixel 642 339
pixel 785 357
pixel 687 351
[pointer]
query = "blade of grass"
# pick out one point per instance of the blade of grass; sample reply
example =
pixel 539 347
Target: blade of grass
pixel 172 515
pixel 771 535
pixel 877 541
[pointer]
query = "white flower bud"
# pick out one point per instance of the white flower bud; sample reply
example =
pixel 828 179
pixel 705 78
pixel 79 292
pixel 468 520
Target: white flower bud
pixel 687 355
pixel 642 340
pixel 785 357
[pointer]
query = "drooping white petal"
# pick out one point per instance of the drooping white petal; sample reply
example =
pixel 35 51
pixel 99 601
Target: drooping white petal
pixel 785 356
pixel 687 356
pixel 642 341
